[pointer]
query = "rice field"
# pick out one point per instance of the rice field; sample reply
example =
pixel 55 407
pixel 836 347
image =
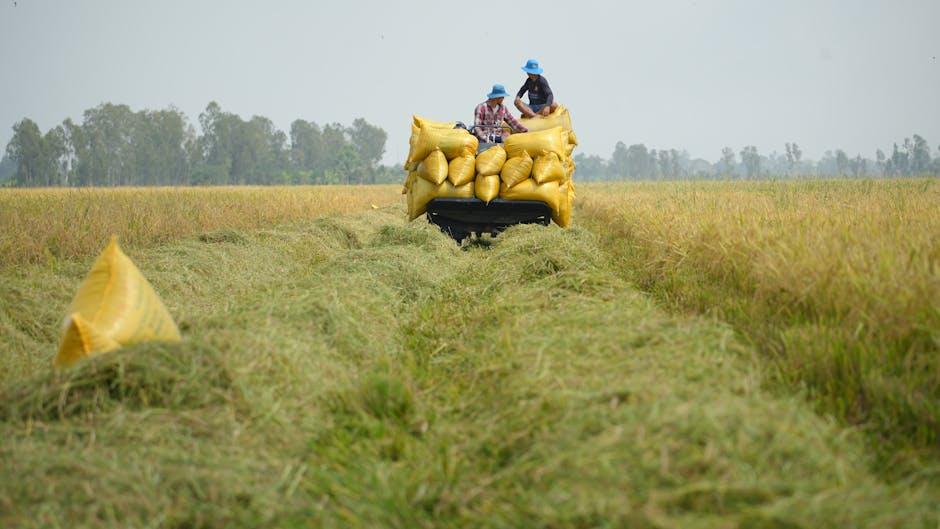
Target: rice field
pixel 48 225
pixel 745 355
pixel 837 283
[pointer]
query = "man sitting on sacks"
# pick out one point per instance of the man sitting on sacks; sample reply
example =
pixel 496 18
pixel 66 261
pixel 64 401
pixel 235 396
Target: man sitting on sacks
pixel 541 100
pixel 489 116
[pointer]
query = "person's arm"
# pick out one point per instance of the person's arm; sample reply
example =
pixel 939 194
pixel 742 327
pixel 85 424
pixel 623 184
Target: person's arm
pixel 478 131
pixel 549 97
pixel 513 122
pixel 522 90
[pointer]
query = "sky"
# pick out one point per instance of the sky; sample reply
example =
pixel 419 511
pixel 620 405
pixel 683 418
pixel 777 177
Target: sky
pixel 689 74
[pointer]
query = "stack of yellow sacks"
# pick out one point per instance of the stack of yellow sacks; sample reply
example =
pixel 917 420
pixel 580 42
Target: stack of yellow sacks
pixel 535 165
pixel 441 164
pixel 539 164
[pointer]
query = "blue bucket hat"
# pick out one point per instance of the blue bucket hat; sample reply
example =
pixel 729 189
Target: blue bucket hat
pixel 498 91
pixel 532 66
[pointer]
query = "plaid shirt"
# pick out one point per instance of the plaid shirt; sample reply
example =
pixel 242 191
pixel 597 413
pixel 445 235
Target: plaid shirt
pixel 488 120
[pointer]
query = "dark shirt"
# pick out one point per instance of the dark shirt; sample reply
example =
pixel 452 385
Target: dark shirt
pixel 539 91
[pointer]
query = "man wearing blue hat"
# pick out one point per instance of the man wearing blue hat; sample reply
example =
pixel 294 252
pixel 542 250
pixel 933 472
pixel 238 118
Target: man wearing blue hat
pixel 541 100
pixel 489 116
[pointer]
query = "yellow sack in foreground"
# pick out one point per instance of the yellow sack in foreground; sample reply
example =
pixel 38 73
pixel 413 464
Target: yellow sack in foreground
pixel 462 169
pixel 490 161
pixel 486 187
pixel 423 192
pixel 528 189
pixel 559 118
pixel 516 169
pixel 548 168
pixel 114 306
pixel 536 143
pixel 452 142
pixel 433 168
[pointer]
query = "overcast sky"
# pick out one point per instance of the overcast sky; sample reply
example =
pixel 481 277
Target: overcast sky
pixel 693 74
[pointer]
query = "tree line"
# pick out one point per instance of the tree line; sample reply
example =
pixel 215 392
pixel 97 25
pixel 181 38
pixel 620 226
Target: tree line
pixel 637 162
pixel 115 146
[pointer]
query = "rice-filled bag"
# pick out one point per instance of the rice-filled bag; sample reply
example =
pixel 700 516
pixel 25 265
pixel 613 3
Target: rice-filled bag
pixel 424 191
pixel 452 142
pixel 548 168
pixel 490 161
pixel 419 122
pixel 114 306
pixel 528 189
pixel 486 187
pixel 462 169
pixel 434 168
pixel 409 181
pixel 516 169
pixel 559 118
pixel 536 143
pixel 565 205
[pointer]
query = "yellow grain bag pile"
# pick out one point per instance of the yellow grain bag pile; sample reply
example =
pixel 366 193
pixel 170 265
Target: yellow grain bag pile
pixel 441 164
pixel 535 165
pixel 539 165
pixel 114 306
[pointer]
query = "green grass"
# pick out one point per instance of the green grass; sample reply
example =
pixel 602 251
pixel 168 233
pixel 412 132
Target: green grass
pixel 361 372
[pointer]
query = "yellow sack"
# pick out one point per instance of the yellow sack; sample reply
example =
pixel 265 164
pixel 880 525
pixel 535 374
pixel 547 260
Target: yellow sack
pixel 490 161
pixel 559 118
pixel 114 306
pixel 548 168
pixel 528 189
pixel 423 192
pixel 569 149
pixel 433 168
pixel 462 169
pixel 536 143
pixel 572 139
pixel 452 142
pixel 411 163
pixel 569 165
pixel 516 169
pixel 486 187
pixel 565 204
pixel 419 122
pixel 409 181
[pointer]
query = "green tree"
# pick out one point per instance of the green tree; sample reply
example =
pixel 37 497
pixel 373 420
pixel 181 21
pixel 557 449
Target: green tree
pixel 842 162
pixel 728 163
pixel 751 160
pixel 919 152
pixel 590 167
pixel 369 142
pixel 306 150
pixel 794 154
pixel 27 149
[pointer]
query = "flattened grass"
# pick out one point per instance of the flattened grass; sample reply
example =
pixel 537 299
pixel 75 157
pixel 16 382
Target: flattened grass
pixel 838 282
pixel 361 372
